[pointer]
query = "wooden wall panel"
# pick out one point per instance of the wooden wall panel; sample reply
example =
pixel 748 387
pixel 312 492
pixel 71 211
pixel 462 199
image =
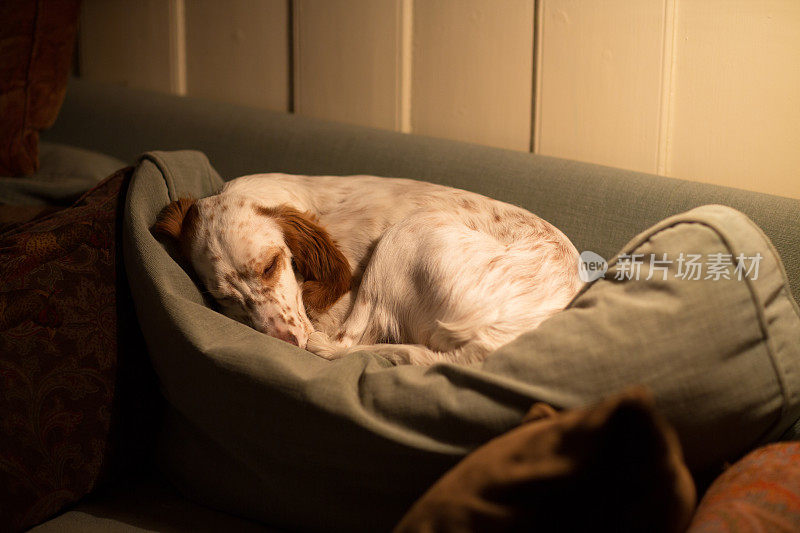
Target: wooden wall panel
pixel 735 114
pixel 238 51
pixel 347 60
pixel 698 90
pixel 129 42
pixel 472 71
pixel 600 80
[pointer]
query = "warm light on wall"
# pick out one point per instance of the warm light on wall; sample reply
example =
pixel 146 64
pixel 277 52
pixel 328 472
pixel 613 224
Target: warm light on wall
pixel 696 90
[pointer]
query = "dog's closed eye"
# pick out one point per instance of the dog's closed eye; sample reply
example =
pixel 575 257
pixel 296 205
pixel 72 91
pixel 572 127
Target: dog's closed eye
pixel 269 269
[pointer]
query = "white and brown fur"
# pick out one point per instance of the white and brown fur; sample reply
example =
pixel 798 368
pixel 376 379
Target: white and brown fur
pixel 414 271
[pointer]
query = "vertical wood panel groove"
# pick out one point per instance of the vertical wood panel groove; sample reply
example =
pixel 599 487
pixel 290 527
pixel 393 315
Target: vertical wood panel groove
pixel 406 51
pixel 667 88
pixel 536 106
pixel 177 46
pixel 297 57
pixel 290 66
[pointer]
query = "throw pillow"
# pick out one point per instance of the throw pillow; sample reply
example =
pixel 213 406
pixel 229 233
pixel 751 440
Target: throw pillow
pixel 760 492
pixel 36 45
pixel 616 466
pixel 58 355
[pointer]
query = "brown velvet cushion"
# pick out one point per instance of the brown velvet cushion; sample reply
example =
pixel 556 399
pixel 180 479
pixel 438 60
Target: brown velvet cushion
pixel 36 42
pixel 58 355
pixel 616 466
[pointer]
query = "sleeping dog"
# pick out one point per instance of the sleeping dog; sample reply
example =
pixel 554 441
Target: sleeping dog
pixel 414 271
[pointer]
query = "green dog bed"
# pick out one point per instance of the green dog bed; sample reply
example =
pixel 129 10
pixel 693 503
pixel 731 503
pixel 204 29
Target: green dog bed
pixel 266 430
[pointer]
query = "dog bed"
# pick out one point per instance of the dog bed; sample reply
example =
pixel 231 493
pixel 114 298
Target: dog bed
pixel 264 429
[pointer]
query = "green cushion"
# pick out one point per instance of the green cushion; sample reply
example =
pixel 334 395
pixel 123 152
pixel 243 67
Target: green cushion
pixel 264 429
pixel 65 172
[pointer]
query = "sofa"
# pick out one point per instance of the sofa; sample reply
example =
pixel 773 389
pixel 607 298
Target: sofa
pixel 102 128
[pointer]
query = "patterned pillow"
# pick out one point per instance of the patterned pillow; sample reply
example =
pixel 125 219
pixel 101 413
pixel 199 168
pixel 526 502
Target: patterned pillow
pixel 36 43
pixel 58 355
pixel 761 492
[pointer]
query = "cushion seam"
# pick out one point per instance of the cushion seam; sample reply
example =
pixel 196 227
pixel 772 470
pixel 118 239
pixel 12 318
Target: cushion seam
pixel 786 285
pixel 165 172
pixel 756 302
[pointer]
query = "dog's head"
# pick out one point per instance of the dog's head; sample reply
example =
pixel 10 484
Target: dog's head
pixel 266 266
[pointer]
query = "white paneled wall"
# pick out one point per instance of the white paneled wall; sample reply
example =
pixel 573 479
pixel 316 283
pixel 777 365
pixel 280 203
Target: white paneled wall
pixel 131 43
pixel 472 71
pixel 234 50
pixel 238 51
pixel 706 90
pixel 735 106
pixel 600 81
pixel 347 59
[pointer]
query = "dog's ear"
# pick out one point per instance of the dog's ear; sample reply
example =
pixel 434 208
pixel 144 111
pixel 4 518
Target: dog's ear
pixel 177 221
pixel 324 267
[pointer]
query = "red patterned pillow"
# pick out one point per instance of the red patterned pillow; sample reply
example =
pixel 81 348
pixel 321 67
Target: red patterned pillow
pixel 761 492
pixel 36 43
pixel 58 355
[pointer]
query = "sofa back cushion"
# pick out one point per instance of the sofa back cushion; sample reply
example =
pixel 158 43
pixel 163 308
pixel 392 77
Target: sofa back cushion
pixel 599 208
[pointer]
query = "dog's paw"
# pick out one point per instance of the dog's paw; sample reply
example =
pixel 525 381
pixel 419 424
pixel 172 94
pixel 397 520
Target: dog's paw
pixel 319 344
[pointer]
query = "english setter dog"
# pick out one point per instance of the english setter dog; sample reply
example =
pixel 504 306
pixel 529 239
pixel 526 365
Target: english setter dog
pixel 413 271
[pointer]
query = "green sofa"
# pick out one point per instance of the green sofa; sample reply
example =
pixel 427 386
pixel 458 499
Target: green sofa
pixel 599 208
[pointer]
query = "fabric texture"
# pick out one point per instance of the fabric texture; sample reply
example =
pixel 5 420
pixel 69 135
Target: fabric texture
pixel 58 355
pixel 37 38
pixel 616 466
pixel 65 173
pixel 761 492
pixel 298 441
